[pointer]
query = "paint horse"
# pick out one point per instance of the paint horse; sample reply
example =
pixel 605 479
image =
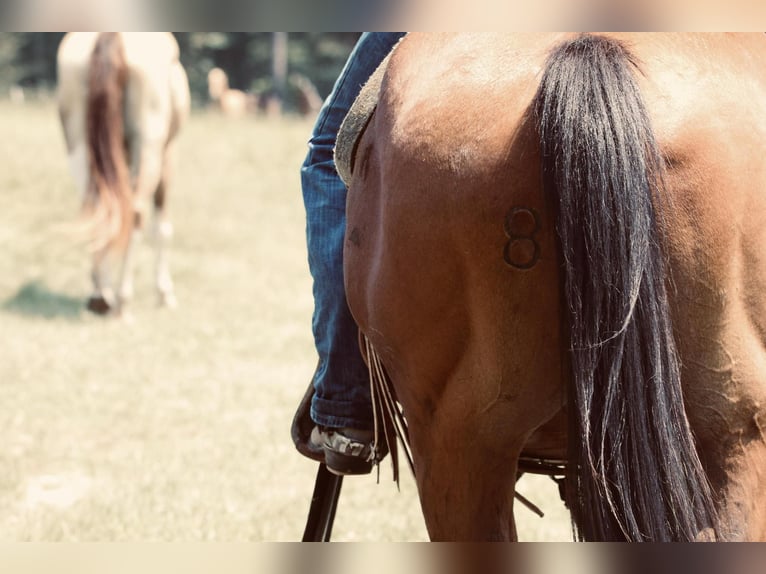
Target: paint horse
pixel 555 249
pixel 122 98
pixel 230 102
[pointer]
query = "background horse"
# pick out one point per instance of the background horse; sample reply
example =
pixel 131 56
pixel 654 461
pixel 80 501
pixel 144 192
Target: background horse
pixel 548 228
pixel 230 102
pixel 122 98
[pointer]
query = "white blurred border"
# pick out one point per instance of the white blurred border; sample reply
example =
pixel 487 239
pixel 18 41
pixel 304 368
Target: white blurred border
pixel 421 15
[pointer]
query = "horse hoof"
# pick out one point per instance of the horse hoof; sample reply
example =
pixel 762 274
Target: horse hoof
pixel 98 305
pixel 126 317
pixel 168 301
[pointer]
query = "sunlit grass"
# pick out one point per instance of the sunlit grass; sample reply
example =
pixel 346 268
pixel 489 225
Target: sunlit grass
pixel 174 427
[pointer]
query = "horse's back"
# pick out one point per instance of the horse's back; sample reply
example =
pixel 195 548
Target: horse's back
pixel 451 254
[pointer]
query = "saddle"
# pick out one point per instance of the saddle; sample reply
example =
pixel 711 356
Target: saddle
pixel 302 425
pixel 356 120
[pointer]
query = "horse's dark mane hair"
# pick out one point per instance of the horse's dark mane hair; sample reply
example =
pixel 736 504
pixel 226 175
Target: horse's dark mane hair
pixel 635 472
pixel 108 198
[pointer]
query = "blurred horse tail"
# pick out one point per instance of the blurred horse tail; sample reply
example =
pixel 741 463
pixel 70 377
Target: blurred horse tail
pixel 108 201
pixel 122 98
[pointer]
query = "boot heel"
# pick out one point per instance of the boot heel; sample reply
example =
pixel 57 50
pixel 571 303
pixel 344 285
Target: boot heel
pixel 344 465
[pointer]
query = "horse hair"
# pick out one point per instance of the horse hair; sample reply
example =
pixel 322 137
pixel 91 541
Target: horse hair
pixel 636 474
pixel 108 198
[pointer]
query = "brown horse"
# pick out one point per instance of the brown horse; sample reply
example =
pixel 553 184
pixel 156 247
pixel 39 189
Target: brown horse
pixel 122 98
pixel 555 247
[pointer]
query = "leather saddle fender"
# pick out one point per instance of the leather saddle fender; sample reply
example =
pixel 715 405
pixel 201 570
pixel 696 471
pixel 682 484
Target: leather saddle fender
pixel 356 120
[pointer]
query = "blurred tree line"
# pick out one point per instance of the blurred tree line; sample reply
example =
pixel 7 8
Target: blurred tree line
pixel 28 59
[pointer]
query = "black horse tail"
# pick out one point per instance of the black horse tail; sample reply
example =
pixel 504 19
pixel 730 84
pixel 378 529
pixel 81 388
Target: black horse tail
pixel 108 201
pixel 635 472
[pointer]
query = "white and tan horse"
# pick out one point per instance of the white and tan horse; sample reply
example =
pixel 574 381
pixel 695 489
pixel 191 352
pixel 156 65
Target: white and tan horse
pixel 122 98
pixel 230 102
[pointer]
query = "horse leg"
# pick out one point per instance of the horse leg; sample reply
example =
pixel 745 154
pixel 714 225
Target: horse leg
pixel 126 288
pixel 71 112
pixel 162 234
pixel 726 402
pixel 483 516
pixel 467 433
pixel 466 483
pixel 146 171
pixel 102 299
pixel 163 228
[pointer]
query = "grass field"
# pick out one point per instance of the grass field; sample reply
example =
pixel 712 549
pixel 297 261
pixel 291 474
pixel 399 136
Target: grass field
pixel 174 427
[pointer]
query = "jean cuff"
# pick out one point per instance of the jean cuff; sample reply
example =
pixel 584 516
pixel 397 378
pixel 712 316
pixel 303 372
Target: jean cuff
pixel 344 414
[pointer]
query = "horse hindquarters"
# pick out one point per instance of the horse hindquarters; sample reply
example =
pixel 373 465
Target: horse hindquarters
pixel 122 99
pixel 470 341
pixel 468 413
pixel 431 213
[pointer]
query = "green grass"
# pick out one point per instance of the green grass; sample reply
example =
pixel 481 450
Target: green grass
pixel 174 427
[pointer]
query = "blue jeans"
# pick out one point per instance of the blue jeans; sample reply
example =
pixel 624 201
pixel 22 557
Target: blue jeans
pixel 341 381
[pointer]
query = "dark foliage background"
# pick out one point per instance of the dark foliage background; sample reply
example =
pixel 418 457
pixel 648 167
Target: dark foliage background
pixel 28 59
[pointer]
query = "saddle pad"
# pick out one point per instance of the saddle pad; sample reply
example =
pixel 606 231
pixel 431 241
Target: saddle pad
pixel 356 121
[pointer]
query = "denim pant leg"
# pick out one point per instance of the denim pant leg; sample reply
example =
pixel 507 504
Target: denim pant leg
pixel 341 381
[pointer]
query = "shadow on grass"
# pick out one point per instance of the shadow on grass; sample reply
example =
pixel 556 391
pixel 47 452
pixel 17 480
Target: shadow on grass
pixel 36 300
